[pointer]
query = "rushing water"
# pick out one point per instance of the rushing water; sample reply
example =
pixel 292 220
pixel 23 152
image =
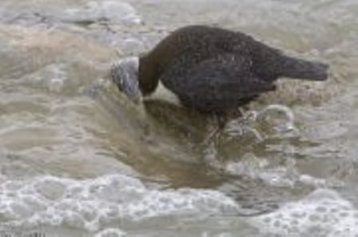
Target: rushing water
pixel 78 159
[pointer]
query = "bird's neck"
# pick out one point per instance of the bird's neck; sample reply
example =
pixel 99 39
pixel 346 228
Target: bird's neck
pixel 148 76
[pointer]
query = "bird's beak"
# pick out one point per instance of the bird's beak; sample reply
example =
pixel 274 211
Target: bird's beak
pixel 125 75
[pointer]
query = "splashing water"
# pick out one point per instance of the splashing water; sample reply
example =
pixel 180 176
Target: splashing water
pixel 90 204
pixel 66 139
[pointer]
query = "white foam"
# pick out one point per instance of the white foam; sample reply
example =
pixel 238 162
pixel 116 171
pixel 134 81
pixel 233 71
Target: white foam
pixel 130 46
pixel 93 204
pixel 113 11
pixel 111 233
pixel 322 213
pixel 280 175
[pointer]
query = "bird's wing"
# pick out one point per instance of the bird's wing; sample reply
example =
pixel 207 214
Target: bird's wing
pixel 218 83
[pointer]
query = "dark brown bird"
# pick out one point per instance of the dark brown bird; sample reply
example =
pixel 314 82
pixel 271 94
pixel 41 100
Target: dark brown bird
pixel 212 70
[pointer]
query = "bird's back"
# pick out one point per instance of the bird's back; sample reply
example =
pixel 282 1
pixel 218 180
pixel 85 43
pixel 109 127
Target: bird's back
pixel 189 46
pixel 195 44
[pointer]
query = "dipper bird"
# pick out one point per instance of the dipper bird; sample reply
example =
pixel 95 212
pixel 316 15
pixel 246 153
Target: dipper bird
pixel 212 70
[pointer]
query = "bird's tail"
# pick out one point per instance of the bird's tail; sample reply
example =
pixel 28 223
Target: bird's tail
pixel 302 69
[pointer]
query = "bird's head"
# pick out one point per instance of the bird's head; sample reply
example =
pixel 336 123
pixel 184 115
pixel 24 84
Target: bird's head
pixel 125 75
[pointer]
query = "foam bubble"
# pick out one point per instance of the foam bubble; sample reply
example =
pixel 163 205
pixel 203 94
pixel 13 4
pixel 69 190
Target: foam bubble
pixel 111 233
pixel 93 204
pixel 273 121
pixel 322 213
pixel 258 168
pixel 53 76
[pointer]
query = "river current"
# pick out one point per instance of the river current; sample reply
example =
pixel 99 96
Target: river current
pixel 77 158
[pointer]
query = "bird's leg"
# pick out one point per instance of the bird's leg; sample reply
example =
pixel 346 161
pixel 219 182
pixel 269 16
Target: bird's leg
pixel 216 125
pixel 242 110
pixel 215 129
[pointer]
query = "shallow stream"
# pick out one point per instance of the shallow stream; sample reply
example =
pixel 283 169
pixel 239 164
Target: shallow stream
pixel 77 158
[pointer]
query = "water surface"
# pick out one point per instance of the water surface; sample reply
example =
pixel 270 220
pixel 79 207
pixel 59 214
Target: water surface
pixel 77 158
